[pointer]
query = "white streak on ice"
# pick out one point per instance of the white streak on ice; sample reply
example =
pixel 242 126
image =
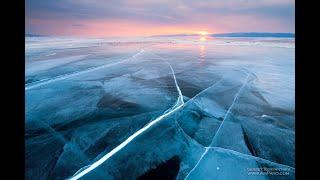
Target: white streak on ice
pixel 180 99
pixel 205 152
pixel 176 107
pixel 66 76
pixel 228 112
pixel 51 54
pixel 122 145
pixel 226 115
pixel 186 104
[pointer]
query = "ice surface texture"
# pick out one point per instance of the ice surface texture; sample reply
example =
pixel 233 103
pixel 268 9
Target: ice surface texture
pixel 154 108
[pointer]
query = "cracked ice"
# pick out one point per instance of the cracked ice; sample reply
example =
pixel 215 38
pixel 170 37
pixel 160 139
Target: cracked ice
pixel 139 110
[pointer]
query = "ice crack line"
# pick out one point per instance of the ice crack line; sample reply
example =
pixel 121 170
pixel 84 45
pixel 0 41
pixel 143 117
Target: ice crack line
pixel 180 99
pixel 250 156
pixel 66 76
pixel 203 154
pixel 185 104
pixel 229 110
pixel 176 107
pixel 177 86
pixel 226 115
pixel 122 145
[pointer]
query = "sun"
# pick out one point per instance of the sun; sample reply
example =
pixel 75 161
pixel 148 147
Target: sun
pixel 203 33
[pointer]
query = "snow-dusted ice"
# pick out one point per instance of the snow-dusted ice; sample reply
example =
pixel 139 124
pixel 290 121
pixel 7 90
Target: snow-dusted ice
pixel 174 108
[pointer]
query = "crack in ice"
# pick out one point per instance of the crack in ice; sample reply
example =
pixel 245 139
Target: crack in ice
pixel 69 75
pixel 185 104
pixel 226 115
pixel 205 152
pixel 234 152
pixel 248 155
pixel 180 99
pixel 186 135
pixel 229 110
pixel 179 104
pixel 122 145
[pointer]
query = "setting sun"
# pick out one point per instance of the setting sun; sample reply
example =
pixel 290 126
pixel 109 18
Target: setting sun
pixel 203 32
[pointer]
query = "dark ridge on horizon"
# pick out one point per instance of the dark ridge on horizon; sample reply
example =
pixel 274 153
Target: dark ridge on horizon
pixel 255 34
pixel 33 35
pixel 237 34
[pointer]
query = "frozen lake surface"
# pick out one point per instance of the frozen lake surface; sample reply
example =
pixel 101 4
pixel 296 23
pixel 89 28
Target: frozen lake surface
pixel 168 108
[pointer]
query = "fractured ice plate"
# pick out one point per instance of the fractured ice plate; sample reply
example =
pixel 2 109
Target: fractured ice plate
pixel 108 109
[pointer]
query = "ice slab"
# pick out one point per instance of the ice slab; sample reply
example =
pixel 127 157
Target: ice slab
pixel 221 163
pixel 158 108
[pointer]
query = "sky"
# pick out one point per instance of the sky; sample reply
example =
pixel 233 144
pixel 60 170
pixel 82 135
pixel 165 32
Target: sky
pixel 118 18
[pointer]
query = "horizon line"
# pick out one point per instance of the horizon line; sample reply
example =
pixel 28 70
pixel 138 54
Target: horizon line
pixel 291 34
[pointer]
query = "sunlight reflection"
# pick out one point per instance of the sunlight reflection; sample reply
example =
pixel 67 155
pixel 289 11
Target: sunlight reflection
pixel 202 51
pixel 203 39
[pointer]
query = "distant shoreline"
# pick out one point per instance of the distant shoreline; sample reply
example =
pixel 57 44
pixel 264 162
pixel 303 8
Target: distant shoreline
pixel 238 34
pixel 230 35
pixel 254 34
